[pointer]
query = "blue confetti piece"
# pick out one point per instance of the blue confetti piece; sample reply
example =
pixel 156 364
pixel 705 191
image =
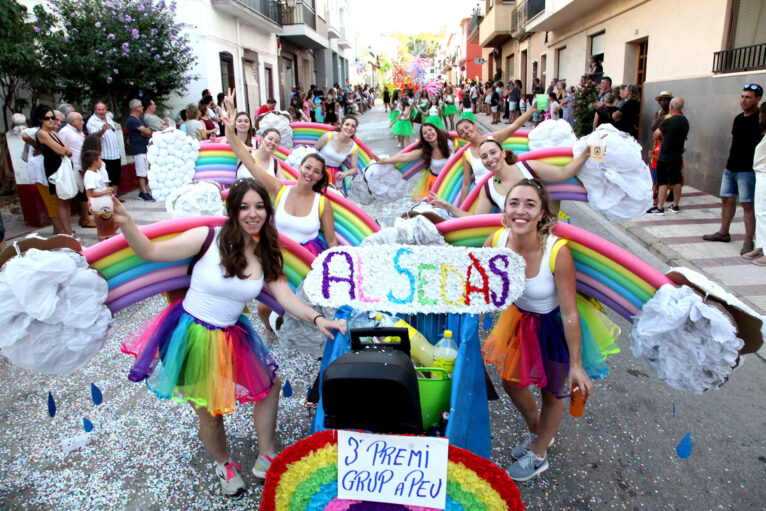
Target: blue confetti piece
pixel 287 389
pixel 51 405
pixel 674 409
pixel 87 425
pixel 684 448
pixel 487 321
pixel 95 394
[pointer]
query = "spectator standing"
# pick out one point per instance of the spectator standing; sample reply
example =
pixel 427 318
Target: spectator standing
pixel 605 112
pixel 664 112
pixel 194 127
pixel 103 126
pixel 738 176
pixel 151 120
pixel 595 71
pixel 672 133
pixel 630 110
pixel 554 107
pixel 605 87
pixel 35 166
pixel 759 166
pixel 54 150
pixel 513 101
pixel 495 98
pixel 138 136
pixel 73 136
pixel 569 104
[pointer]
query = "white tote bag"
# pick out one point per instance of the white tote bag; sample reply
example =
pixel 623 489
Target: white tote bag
pixel 67 181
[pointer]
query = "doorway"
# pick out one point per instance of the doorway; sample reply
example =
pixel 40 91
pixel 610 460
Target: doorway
pixel 288 81
pixel 523 78
pixel 250 79
pixel 269 80
pixel 641 67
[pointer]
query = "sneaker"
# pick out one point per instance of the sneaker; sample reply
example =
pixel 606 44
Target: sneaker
pixel 262 465
pixel 527 467
pixel 674 209
pixel 717 236
pixel 523 447
pixel 230 477
pixel 146 197
pixel 654 210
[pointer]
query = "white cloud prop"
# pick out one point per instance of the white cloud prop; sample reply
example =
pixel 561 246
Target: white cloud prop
pixel 281 124
pixel 53 311
pixel 552 133
pixel 620 186
pixel 196 199
pixel 172 157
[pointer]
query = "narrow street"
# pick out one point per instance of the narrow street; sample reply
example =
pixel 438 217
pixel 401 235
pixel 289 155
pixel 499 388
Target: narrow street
pixel 144 453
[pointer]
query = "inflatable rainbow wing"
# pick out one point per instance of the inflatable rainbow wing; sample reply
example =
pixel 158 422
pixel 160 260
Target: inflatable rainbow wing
pixel 307 133
pixel 411 168
pixel 567 190
pixel 131 279
pixel 352 224
pixel 217 162
pixel 616 278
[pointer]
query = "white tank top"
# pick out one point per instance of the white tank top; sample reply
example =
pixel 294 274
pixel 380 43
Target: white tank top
pixel 540 294
pixel 332 157
pixel 433 110
pixel 479 170
pixel 242 171
pixel 300 229
pixel 497 198
pixel 213 298
pixel 437 165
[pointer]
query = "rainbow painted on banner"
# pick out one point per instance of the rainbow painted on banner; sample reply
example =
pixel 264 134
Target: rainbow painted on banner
pixel 132 279
pixel 305 477
pixel 618 279
pixel 352 224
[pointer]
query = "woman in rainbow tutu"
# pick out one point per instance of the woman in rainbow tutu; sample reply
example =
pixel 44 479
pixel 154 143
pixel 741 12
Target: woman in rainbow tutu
pixel 550 337
pixel 269 143
pixel 301 211
pixel 435 147
pixel 203 349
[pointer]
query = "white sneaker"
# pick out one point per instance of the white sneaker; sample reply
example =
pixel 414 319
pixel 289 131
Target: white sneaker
pixel 262 465
pixel 527 467
pixel 522 447
pixel 230 477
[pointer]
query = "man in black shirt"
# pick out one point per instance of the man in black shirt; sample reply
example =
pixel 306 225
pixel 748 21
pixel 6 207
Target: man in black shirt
pixel 672 132
pixel 739 177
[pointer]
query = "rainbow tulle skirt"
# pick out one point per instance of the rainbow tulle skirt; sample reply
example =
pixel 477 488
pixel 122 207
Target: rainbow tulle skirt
pixel 531 349
pixel 315 246
pixel 424 186
pixel 185 359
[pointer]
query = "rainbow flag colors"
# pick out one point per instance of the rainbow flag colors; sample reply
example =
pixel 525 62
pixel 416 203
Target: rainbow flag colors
pixel 305 477
pixel 132 279
pixel 606 272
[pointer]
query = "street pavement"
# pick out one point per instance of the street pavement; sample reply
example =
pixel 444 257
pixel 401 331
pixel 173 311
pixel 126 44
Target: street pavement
pixel 144 454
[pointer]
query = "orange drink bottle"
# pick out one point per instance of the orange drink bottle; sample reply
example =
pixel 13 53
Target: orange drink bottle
pixel 577 402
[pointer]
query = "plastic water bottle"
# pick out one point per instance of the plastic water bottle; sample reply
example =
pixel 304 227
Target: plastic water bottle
pixel 362 319
pixel 445 353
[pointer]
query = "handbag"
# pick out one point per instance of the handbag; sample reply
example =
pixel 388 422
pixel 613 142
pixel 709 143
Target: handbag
pixel 66 180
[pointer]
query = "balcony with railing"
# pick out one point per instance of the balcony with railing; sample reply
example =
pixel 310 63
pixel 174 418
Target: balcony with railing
pixel 264 15
pixel 473 28
pixel 747 58
pixel 495 28
pixel 300 26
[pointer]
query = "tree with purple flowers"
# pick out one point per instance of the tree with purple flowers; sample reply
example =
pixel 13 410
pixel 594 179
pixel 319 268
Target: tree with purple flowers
pixel 114 50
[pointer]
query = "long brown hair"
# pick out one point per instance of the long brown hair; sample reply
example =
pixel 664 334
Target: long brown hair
pixel 321 185
pixel 232 241
pixel 441 140
pixel 250 130
pixel 549 219
pixel 510 156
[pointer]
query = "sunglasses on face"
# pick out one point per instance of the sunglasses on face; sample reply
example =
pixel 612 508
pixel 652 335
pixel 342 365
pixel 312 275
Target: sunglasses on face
pixel 49 118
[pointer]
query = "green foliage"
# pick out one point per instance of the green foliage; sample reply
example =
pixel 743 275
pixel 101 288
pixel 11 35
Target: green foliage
pixel 19 58
pixel 498 75
pixel 585 95
pixel 114 50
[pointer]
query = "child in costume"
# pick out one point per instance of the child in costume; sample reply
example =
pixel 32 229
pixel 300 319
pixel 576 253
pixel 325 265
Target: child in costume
pixel 543 339
pixel 403 126
pixel 449 109
pixel 435 112
pixel 202 349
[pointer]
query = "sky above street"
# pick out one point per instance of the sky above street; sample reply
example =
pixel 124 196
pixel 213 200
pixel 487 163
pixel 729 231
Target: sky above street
pixel 410 15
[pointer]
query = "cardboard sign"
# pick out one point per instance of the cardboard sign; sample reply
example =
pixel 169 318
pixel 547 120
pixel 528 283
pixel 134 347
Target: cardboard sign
pixel 406 470
pixel 597 153
pixel 409 278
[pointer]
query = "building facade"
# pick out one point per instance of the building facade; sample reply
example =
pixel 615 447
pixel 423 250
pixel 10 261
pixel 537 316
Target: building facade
pixel 702 51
